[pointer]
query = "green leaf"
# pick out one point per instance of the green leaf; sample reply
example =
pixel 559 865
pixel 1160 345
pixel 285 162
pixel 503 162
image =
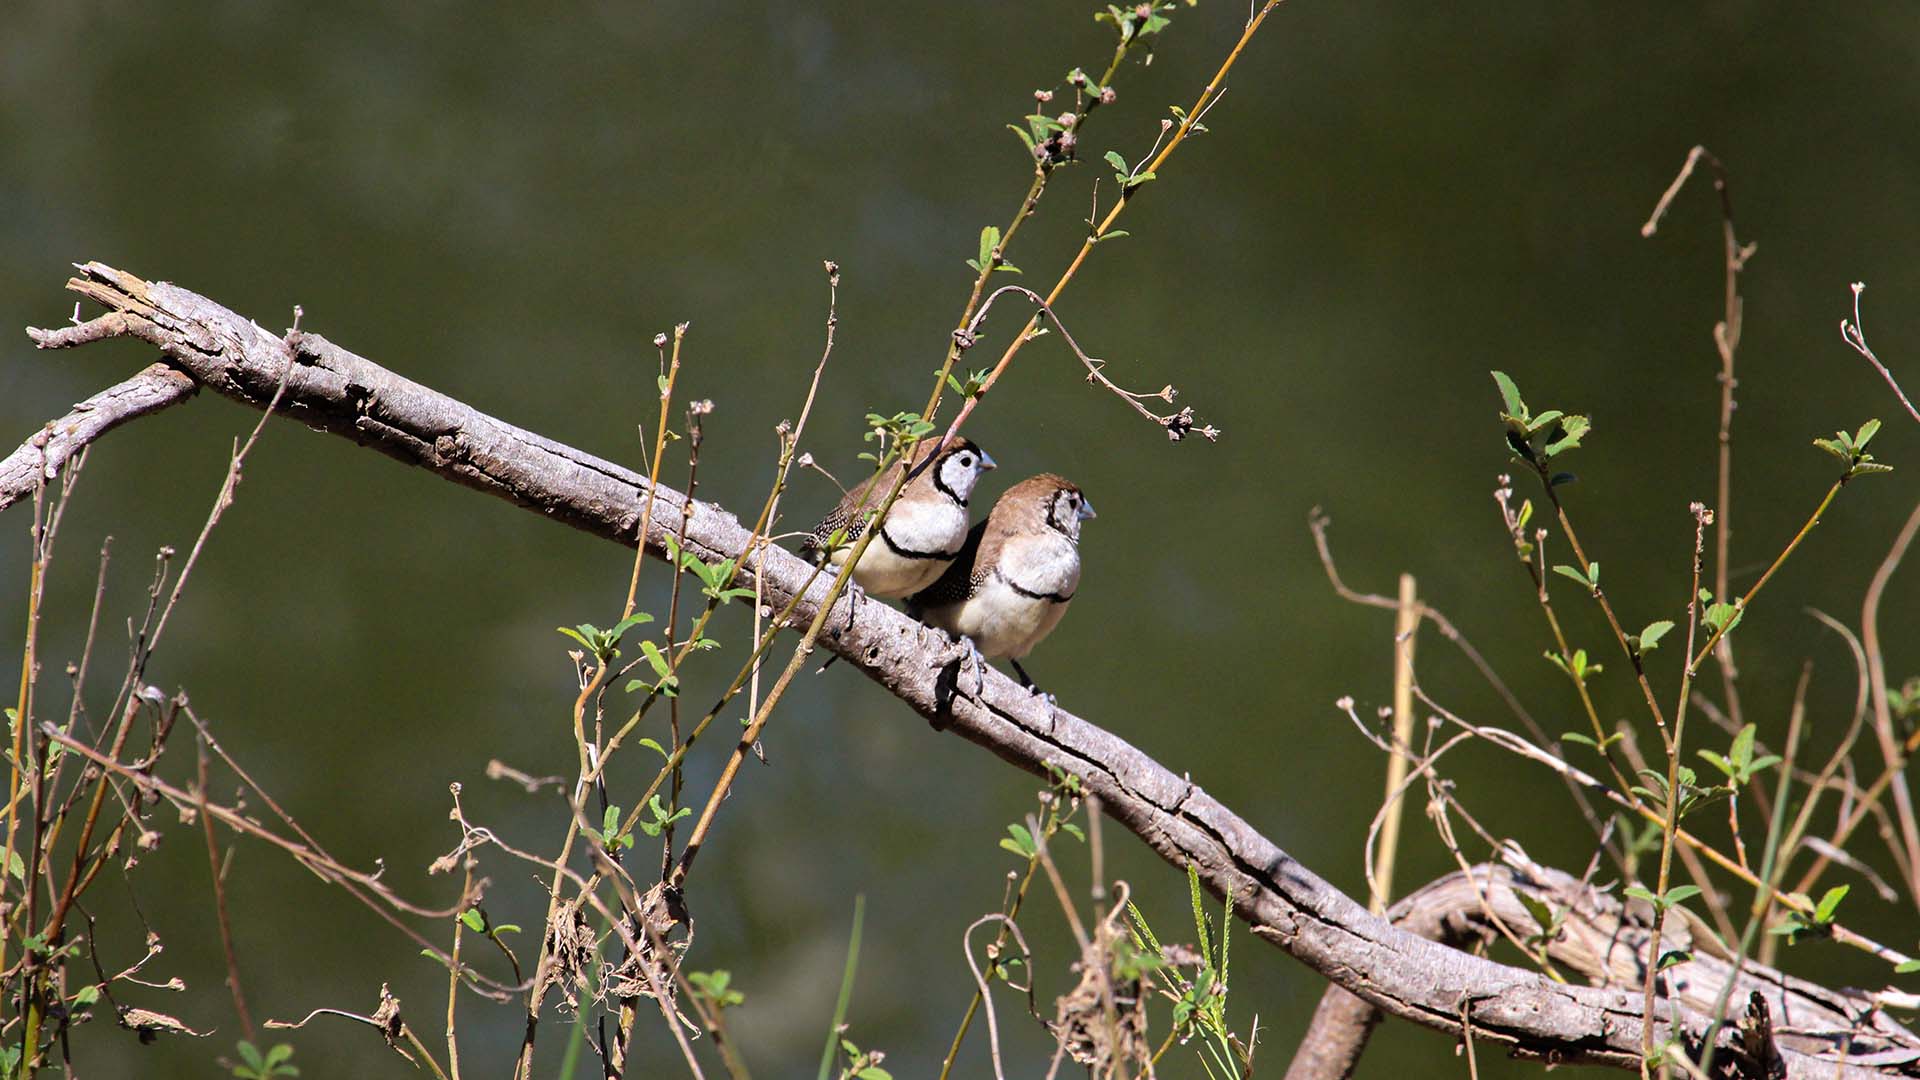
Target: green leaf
pixel 1542 914
pixel 1576 737
pixel 1672 958
pixel 1829 903
pixel 1510 396
pixel 1022 842
pixel 1834 448
pixel 1732 772
pixel 1119 163
pixel 1567 571
pixel 1906 967
pixel 1571 431
pixel 654 657
pixel 1741 752
pixel 1722 614
pixel 1650 637
pixel 989 239
pixel 473 920
pixel 1680 894
pixel 656 748
pixel 87 995
pixel 1025 138
pixel 1865 435
pixel 873 1072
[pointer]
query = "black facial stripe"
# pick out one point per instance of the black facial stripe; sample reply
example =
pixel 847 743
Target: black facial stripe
pixel 1049 597
pixel 909 553
pixel 940 479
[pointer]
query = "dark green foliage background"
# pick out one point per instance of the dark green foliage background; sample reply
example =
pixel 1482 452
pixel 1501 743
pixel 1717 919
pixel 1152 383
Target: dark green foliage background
pixel 508 205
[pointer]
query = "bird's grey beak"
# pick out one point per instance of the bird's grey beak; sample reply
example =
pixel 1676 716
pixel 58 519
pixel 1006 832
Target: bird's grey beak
pixel 1086 510
pixel 987 462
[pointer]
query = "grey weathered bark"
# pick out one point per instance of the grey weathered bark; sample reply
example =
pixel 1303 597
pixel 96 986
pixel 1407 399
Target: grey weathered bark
pixel 1605 942
pixel 42 456
pixel 1408 976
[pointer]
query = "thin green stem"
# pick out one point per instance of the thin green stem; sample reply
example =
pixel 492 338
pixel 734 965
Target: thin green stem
pixel 1778 561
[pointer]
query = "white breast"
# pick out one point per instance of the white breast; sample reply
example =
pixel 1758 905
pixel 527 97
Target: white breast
pixel 930 525
pixel 1011 611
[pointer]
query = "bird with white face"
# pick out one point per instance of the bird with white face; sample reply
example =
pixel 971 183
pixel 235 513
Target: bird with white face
pixel 923 531
pixel 1011 583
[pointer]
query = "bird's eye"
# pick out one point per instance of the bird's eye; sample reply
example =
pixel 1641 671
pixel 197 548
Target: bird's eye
pixel 966 461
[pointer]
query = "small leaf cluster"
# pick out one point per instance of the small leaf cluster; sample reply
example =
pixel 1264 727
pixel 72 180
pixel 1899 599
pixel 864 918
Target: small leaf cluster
pixel 1128 178
pixel 1180 115
pixel 1590 577
pixel 1579 669
pixel 1062 801
pixel 1692 795
pixel 1138 22
pixel 1648 639
pixel 715 988
pixel 1536 438
pixel 603 645
pixel 476 920
pixel 1798 927
pixel 1739 765
pixel 1718 614
pixel 255 1065
pixel 1050 141
pixel 989 259
pixel 713 576
pixel 862 1064
pixel 1663 902
pixel 975 379
pixel 894 430
pixel 1904 700
pixel 1852 450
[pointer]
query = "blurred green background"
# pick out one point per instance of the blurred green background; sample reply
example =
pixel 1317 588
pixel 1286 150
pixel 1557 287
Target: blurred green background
pixel 508 203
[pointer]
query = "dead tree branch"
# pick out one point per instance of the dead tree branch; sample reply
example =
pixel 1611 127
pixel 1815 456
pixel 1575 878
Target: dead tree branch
pixel 153 389
pixel 1607 942
pixel 1405 975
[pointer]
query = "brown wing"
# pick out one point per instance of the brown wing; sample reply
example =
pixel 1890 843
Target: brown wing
pixel 850 513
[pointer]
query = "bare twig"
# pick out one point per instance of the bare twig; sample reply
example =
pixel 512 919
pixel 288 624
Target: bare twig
pixel 1287 904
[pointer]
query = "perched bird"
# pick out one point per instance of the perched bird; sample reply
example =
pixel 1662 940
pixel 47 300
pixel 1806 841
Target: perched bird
pixel 923 531
pixel 1012 582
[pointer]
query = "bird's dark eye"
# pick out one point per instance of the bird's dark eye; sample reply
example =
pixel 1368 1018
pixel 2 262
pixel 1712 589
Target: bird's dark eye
pixel 966 460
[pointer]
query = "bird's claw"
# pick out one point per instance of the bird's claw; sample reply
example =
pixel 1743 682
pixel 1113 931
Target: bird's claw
pixel 979 663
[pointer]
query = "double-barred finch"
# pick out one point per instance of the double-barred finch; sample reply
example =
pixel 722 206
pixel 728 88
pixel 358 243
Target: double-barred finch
pixel 1012 582
pixel 923 531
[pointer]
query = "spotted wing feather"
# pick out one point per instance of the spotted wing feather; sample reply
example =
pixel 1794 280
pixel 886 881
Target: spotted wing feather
pixel 970 569
pixel 849 514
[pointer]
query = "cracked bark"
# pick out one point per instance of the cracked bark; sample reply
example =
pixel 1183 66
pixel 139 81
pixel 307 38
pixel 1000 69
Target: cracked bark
pixel 1401 973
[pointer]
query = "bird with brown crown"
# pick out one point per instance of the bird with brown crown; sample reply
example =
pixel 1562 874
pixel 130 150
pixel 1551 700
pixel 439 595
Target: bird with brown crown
pixel 1012 581
pixel 923 531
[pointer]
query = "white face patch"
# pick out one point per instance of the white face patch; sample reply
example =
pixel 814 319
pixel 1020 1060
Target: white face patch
pixel 1064 514
pixel 960 473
